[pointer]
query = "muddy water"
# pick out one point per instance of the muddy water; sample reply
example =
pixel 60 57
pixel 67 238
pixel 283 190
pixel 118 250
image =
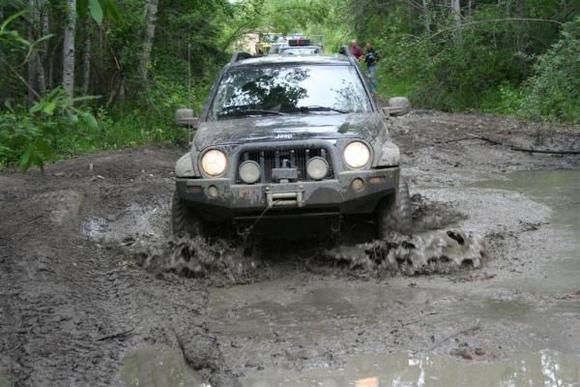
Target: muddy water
pixel 558 250
pixel 545 368
pixel 502 317
pixel 157 366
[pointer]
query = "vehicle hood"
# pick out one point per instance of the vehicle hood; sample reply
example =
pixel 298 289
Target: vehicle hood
pixel 367 126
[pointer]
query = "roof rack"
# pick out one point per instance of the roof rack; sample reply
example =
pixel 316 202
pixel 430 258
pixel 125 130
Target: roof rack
pixel 238 56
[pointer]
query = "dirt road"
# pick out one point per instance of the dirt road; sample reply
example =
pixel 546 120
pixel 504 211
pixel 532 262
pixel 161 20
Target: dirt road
pixel 85 298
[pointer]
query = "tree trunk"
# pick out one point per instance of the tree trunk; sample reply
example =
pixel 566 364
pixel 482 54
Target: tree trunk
pixel 32 87
pixel 43 56
pixel 456 10
pixel 151 20
pixel 68 59
pixel 32 62
pixel 522 40
pixel 86 80
pixel 3 89
pixel 426 16
pixel 36 74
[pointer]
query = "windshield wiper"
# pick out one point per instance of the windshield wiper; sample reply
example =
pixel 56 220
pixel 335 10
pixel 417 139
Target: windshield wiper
pixel 236 111
pixel 316 108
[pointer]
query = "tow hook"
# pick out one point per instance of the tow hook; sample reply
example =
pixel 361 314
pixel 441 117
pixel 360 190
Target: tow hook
pixel 335 224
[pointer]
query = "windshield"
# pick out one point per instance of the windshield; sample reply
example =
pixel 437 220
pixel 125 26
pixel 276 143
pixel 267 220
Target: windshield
pixel 281 90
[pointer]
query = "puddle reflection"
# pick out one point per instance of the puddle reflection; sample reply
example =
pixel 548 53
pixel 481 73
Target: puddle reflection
pixel 545 368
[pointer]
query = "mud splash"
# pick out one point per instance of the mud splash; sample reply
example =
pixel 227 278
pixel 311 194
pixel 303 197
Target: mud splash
pixel 433 215
pixel 226 262
pixel 427 253
pixel 222 261
pixel 150 220
pixel 141 237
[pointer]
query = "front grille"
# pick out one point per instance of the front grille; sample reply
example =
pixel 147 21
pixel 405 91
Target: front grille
pixel 295 157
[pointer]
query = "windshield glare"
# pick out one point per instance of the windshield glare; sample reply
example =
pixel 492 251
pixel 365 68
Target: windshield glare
pixel 280 90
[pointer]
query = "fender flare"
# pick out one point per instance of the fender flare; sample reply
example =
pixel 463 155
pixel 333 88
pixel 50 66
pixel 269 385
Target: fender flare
pixel 390 155
pixel 184 166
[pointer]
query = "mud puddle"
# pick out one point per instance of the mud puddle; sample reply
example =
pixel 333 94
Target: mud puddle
pixel 157 366
pixel 555 243
pixel 545 368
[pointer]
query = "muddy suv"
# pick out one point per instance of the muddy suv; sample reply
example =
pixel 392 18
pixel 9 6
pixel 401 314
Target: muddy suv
pixel 289 143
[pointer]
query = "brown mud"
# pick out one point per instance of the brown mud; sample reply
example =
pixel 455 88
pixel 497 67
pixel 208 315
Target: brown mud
pixel 93 291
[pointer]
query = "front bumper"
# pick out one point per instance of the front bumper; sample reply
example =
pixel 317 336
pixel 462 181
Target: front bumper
pixel 219 199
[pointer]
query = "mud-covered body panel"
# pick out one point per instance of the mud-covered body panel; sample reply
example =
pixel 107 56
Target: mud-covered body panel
pixel 298 126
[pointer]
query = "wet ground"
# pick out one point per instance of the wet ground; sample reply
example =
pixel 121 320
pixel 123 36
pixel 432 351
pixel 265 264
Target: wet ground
pixel 93 291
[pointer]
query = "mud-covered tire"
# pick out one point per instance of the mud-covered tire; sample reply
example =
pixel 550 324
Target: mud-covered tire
pixel 394 213
pixel 184 221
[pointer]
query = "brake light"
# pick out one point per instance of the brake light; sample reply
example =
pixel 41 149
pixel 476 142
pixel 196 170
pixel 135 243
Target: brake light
pixel 299 42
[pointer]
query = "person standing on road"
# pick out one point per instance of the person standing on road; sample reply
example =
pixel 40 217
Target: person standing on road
pixel 371 58
pixel 355 49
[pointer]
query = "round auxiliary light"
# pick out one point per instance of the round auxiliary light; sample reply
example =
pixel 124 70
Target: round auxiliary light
pixel 317 168
pixel 214 162
pixel 250 172
pixel 357 154
pixel 212 191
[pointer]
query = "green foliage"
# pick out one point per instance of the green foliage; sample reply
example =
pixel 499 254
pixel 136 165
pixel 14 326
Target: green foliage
pixel 99 10
pixel 9 37
pixel 452 72
pixel 34 137
pixel 506 99
pixel 326 18
pixel 553 91
pixel 483 64
pixel 55 128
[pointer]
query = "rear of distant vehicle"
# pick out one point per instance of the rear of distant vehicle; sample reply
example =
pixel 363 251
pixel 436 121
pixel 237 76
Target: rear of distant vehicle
pixel 301 50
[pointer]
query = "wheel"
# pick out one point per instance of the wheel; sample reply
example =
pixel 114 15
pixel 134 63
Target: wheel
pixel 184 221
pixel 394 213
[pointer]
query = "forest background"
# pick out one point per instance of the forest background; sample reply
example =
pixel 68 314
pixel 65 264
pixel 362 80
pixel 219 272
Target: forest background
pixel 85 75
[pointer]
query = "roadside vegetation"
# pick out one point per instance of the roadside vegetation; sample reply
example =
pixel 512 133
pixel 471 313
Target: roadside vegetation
pixel 84 75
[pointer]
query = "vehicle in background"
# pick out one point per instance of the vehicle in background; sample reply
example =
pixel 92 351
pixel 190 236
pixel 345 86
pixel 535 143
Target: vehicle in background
pixel 301 47
pixel 285 45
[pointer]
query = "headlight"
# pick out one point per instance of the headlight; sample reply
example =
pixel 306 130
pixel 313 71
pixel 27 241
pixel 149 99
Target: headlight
pixel 356 154
pixel 214 162
pixel 250 172
pixel 317 168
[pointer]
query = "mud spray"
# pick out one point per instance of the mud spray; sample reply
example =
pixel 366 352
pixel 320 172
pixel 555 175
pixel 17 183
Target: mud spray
pixel 229 262
pixel 433 252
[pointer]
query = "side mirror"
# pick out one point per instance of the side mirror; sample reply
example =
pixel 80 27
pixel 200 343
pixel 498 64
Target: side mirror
pixel 184 117
pixel 397 106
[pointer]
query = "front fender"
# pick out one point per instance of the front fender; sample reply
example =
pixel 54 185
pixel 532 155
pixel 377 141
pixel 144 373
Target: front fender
pixel 390 155
pixel 184 166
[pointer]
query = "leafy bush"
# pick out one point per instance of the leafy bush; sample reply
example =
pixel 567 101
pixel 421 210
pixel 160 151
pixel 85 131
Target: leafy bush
pixel 554 90
pixel 506 99
pixel 32 138
pixel 453 70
